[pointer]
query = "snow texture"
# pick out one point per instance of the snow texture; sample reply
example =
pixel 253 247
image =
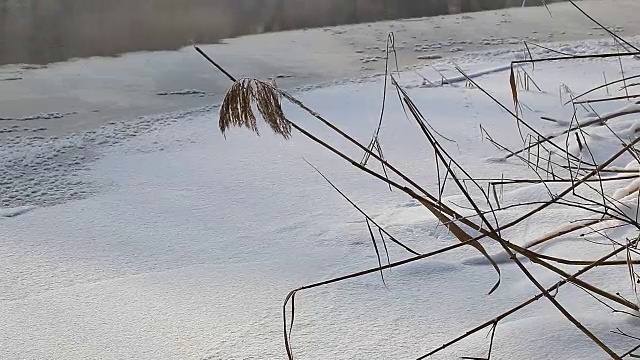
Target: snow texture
pixel 157 238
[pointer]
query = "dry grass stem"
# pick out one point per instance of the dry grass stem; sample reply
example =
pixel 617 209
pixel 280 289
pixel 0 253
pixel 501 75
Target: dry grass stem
pixel 547 158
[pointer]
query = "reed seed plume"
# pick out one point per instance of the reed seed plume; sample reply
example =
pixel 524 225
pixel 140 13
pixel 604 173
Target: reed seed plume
pixel 237 108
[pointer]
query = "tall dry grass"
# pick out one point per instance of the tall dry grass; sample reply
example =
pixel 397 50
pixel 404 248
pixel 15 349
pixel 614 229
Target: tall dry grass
pixel 549 161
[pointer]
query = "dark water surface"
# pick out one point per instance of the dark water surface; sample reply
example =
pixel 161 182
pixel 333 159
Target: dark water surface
pixel 44 31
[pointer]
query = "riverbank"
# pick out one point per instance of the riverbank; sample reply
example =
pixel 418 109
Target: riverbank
pixel 84 94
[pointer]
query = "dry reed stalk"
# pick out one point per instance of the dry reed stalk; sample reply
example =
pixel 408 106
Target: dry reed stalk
pixel 561 308
pixel 237 107
pixel 538 260
pixel 240 99
pixel 519 120
pixel 527 43
pixel 443 157
pixel 367 217
pixel 605 85
pixel 613 34
pixel 237 110
pixel 574 186
pixel 556 234
pixel 291 296
pixel 514 91
pixel 616 98
pixel 532 300
pixel 509 247
pixel 598 120
pixel 505 245
pixel 535 259
pixel 463 237
pixel 500 182
pixel 577 57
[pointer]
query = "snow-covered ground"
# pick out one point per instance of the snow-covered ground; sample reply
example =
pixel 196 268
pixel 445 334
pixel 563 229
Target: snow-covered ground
pixel 156 238
pixel 84 94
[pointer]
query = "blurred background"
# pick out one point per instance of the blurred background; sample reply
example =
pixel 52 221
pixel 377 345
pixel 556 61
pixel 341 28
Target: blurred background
pixel 44 31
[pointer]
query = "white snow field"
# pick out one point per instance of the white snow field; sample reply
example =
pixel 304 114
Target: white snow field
pixel 181 244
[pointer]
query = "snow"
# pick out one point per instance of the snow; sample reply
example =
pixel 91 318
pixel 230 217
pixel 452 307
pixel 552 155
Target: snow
pixel 180 244
pixel 184 92
pixel 461 78
pixel 17 211
pixel 42 116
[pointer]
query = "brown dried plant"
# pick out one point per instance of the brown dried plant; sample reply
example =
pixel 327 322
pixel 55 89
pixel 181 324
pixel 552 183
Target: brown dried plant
pixel 237 108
